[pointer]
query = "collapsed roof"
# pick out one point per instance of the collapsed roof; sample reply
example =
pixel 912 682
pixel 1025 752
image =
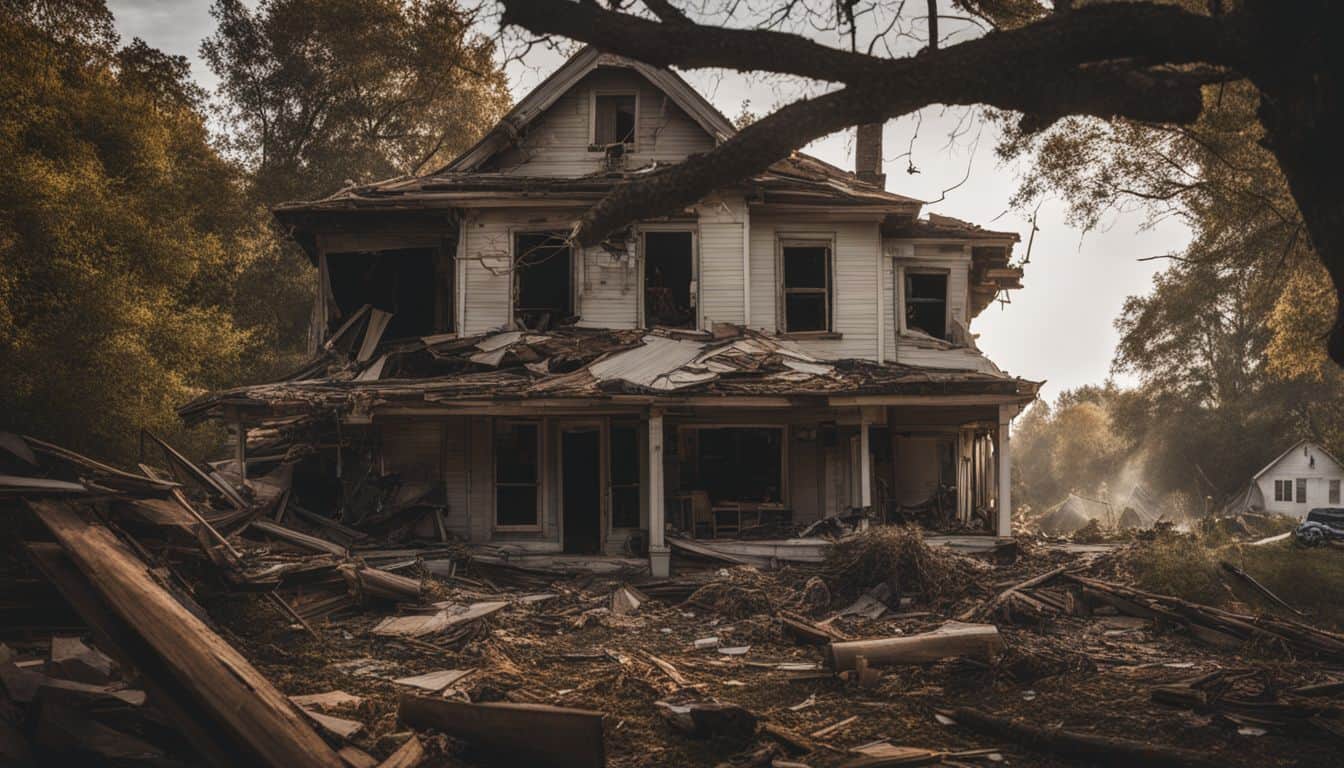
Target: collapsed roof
pixel 578 363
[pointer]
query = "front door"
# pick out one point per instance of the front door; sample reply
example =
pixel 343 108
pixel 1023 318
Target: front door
pixel 581 452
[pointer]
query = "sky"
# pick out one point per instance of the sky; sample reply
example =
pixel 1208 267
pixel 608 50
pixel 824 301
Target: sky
pixel 1059 328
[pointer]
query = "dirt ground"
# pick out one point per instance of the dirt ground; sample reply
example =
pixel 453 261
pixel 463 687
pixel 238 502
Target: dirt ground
pixel 1092 675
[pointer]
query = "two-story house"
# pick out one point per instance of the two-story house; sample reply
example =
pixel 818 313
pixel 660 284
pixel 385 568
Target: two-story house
pixel 791 347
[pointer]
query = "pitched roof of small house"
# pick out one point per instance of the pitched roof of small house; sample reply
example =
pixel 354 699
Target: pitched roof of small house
pixel 1292 448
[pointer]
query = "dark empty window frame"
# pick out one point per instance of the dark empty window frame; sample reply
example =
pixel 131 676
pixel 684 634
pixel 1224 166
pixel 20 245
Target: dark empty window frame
pixel 805 285
pixel 615 116
pixel 926 301
pixel 669 279
pixel 517 475
pixel 1301 490
pixel 624 455
pixel 543 280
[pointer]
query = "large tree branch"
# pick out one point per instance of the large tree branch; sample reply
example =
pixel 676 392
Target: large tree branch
pixel 1035 73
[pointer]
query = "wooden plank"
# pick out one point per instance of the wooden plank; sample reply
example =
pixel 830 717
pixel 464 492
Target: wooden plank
pixel 241 700
pixel 527 734
pixel 298 538
pixel 980 641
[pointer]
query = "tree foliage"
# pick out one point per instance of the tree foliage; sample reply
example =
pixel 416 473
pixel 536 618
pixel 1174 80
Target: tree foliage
pixel 319 93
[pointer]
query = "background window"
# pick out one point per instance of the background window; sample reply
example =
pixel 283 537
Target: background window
pixel 542 274
pixel 615 119
pixel 926 303
pixel 517 474
pixel 1301 490
pixel 807 287
pixel 1283 490
pixel 624 476
pixel 1334 492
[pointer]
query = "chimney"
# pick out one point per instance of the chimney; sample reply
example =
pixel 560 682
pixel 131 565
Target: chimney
pixel 868 154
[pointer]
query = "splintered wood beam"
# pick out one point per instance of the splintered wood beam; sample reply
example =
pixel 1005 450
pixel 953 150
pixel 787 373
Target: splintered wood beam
pixel 241 704
pixel 978 641
pixel 528 734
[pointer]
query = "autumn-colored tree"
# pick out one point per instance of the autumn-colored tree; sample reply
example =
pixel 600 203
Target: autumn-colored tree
pixel 318 93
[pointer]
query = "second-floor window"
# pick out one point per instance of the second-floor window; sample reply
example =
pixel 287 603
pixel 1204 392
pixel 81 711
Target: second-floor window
pixel 926 302
pixel 614 118
pixel 543 273
pixel 669 279
pixel 806 286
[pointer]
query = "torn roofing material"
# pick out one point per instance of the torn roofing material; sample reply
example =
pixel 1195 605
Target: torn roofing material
pixel 592 364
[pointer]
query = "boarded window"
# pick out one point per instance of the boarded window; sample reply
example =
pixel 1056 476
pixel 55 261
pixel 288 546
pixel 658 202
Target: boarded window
pixel 517 474
pixel 1334 492
pixel 542 281
pixel 926 303
pixel 624 476
pixel 738 463
pixel 614 119
pixel 669 280
pixel 1301 490
pixel 807 287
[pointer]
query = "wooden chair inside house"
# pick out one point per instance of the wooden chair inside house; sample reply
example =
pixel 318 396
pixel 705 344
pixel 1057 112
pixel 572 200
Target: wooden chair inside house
pixel 702 515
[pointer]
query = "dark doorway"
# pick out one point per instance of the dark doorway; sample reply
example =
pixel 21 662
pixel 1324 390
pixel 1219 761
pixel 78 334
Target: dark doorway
pixel 669 280
pixel 543 292
pixel 582 457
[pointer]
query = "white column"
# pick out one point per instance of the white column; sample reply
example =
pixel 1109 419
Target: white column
pixel 865 464
pixel 660 556
pixel 1004 504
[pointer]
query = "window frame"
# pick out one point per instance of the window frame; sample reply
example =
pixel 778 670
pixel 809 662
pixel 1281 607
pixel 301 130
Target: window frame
pixel 803 240
pixel 903 299
pixel 1301 487
pixel 575 256
pixel 1332 491
pixel 539 485
pixel 696 295
pixel 593 146
pixel 612 485
pixel 1283 490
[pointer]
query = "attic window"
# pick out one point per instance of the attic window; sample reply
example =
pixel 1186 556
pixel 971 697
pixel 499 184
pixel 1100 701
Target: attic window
pixel 926 303
pixel 614 119
pixel 806 286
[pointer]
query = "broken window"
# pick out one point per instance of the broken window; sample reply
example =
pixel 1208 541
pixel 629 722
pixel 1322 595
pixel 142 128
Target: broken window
pixel 669 279
pixel 614 119
pixel 739 463
pixel 926 303
pixel 542 281
pixel 624 476
pixel 517 474
pixel 413 284
pixel 1301 490
pixel 807 287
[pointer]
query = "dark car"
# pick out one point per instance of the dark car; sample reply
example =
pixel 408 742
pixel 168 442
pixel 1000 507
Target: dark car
pixel 1322 524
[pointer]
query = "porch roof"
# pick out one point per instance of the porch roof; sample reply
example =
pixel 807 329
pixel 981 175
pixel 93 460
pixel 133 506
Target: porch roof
pixel 574 364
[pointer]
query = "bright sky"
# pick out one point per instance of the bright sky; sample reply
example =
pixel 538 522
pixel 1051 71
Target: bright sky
pixel 1058 328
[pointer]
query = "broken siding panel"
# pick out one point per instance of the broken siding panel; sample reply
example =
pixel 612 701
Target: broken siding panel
pixel 721 278
pixel 556 144
pixel 610 291
pixel 486 294
pixel 763 288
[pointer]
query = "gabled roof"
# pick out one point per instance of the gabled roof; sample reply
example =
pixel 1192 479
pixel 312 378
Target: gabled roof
pixel 534 104
pixel 1292 448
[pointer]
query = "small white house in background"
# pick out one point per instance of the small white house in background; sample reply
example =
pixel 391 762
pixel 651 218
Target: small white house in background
pixel 1300 479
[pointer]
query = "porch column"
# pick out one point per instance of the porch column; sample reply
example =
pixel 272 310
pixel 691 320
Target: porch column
pixel 865 464
pixel 660 555
pixel 1004 503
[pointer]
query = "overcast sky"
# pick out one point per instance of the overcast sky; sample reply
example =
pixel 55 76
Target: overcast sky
pixel 1059 328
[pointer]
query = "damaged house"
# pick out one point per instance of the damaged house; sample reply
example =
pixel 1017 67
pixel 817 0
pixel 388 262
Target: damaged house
pixel 792 348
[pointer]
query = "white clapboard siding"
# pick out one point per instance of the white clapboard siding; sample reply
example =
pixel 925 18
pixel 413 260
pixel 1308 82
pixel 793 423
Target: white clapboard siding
pixel 456 471
pixel 854 297
pixel 957 261
pixel 764 290
pixel 556 143
pixel 609 290
pixel 486 293
pixel 721 278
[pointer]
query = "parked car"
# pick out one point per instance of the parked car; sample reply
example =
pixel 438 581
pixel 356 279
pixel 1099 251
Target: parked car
pixel 1322 524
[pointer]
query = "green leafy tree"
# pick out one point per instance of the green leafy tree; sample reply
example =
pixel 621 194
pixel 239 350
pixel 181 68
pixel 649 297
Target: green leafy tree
pixel 318 93
pixel 122 233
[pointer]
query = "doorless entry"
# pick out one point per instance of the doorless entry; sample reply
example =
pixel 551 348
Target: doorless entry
pixel 581 452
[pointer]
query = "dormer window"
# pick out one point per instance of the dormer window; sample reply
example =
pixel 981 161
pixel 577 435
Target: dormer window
pixel 614 119
pixel 926 302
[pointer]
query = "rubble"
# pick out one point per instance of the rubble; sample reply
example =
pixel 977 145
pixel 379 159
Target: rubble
pixel 157 621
